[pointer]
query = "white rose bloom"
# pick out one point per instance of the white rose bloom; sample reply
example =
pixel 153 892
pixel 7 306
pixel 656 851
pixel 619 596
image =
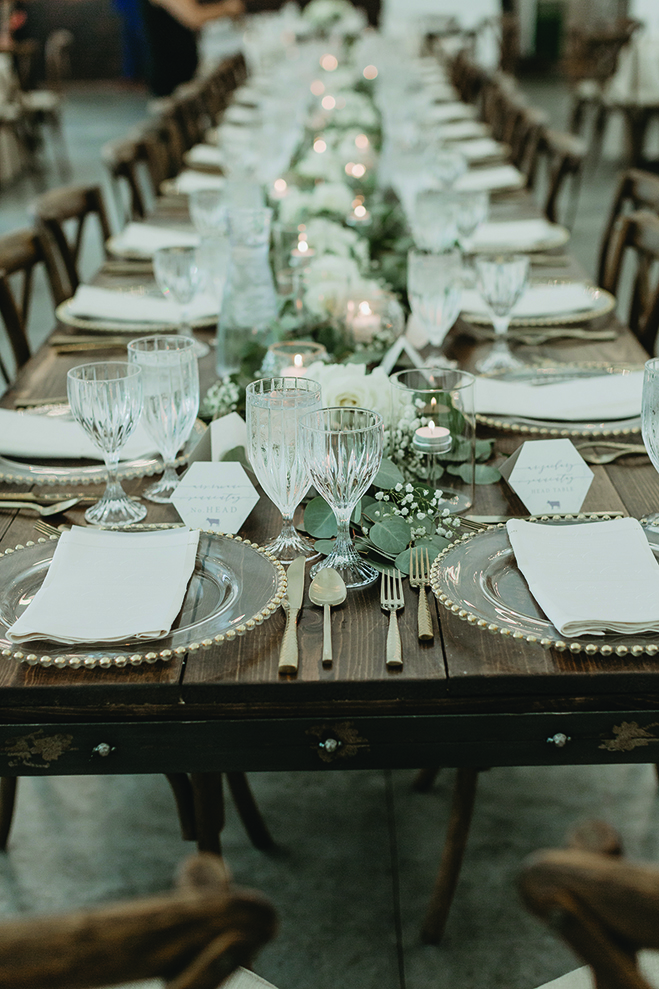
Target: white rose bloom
pixel 294 206
pixel 323 165
pixel 331 197
pixel 328 237
pixel 349 386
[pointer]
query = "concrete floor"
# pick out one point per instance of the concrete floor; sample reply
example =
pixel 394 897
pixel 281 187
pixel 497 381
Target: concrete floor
pixel 356 851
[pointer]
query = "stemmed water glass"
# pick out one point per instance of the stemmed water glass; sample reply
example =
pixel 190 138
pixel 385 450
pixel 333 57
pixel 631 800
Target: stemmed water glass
pixel 435 221
pixel 106 400
pixel 434 289
pixel 179 276
pixel 650 417
pixel 343 449
pixel 501 280
pixel 473 207
pixel 274 408
pixel 170 384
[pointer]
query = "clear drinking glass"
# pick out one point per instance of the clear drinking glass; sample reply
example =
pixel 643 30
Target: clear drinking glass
pixel 343 450
pixel 178 277
pixel 274 408
pixel 650 417
pixel 434 289
pixel 501 280
pixel 473 207
pixel 106 400
pixel 448 166
pixel 170 385
pixel 208 212
pixel 435 221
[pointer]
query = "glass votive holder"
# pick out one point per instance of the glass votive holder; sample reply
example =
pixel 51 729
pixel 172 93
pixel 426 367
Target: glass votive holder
pixel 368 315
pixel 432 432
pixel 289 358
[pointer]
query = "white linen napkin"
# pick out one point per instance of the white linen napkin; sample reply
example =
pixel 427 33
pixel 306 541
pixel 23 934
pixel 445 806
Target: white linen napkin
pixel 451 111
pixel 602 397
pixel 478 148
pixel 516 235
pixel 498 177
pixel 204 154
pixel 189 181
pixel 538 301
pixel 91 302
pixel 44 437
pixel 462 129
pixel 106 586
pixel 144 238
pixel 592 577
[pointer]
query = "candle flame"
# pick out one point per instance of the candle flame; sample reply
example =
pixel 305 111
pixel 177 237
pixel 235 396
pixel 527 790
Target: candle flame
pixel 298 360
pixel 365 309
pixel 431 425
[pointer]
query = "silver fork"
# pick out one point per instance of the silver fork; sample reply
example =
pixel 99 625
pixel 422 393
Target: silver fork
pixel 420 577
pixel 46 529
pixel 391 600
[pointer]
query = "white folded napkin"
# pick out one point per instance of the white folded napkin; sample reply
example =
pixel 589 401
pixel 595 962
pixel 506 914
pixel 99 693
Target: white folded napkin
pixel 144 238
pixel 44 437
pixel 478 148
pixel 538 301
pixel 110 586
pixel 91 302
pixel 451 111
pixel 603 397
pixel 592 577
pixel 517 235
pixel 190 181
pixel 204 154
pixel 498 177
pixel 462 129
pixel 237 114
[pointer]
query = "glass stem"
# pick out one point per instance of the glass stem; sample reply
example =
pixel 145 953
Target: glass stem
pixel 343 545
pixel 113 488
pixel 500 324
pixel 288 530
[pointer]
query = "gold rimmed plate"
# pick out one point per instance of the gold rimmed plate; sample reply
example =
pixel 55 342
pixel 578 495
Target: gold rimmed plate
pixel 99 325
pixel 602 302
pixel 477 579
pixel 234 588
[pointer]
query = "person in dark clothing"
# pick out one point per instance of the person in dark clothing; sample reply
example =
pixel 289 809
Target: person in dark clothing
pixel 171 32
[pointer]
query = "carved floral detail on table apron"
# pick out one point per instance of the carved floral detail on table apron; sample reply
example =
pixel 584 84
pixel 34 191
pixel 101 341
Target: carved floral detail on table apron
pixel 629 735
pixel 27 749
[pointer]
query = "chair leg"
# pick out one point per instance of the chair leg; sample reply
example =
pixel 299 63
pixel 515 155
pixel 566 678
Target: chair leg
pixel 8 786
pixel 184 797
pixel 208 810
pixel 425 778
pixel 249 812
pixel 457 833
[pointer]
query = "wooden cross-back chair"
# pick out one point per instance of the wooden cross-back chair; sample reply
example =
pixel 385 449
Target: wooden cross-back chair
pixel 636 190
pixel 193 937
pixel 190 110
pixel 638 235
pixel 20 253
pixel 54 211
pixel 606 908
pixel 127 161
pixel 564 156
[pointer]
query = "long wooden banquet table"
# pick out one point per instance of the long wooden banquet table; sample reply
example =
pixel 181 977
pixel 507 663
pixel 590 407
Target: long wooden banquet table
pixel 467 699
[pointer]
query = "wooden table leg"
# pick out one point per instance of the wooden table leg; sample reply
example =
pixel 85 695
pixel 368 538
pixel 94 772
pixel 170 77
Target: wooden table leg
pixel 249 812
pixel 183 794
pixel 208 810
pixel 454 847
pixel 425 778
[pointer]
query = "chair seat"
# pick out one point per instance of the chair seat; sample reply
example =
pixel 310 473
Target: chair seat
pixel 582 978
pixel 242 978
pixel 588 89
pixel 43 100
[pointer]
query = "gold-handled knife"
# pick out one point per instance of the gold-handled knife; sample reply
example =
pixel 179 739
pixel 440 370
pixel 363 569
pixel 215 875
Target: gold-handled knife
pixel 288 655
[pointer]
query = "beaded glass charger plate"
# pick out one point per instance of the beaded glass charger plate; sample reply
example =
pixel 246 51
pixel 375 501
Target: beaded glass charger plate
pixel 94 325
pixel 477 579
pixel 601 303
pixel 561 427
pixel 235 587
pixel 15 471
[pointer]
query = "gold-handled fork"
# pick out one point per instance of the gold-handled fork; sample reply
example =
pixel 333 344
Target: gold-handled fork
pixel 29 506
pixel 392 600
pixel 46 529
pixel 420 577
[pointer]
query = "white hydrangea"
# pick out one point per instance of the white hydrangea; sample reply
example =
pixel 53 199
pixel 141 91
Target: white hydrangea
pixel 329 237
pixel 331 197
pixel 348 385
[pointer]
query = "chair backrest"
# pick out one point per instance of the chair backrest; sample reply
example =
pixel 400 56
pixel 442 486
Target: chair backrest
pixel 606 908
pixel 564 155
pixel 593 53
pixel 62 216
pixel 20 253
pixel 636 190
pixel 193 937
pixel 57 56
pixel 638 234
pixel 126 161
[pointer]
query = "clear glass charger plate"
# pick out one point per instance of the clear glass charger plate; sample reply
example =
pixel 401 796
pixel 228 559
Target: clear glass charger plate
pixel 93 325
pixel 561 427
pixel 15 471
pixel 602 302
pixel 477 579
pixel 235 587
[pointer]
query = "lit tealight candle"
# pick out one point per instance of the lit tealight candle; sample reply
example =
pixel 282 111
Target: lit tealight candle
pixel 296 369
pixel 432 439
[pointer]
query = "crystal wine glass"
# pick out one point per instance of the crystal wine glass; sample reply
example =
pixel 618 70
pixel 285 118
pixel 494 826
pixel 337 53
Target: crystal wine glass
pixel 435 221
pixel 106 400
pixel 473 208
pixel 650 417
pixel 343 450
pixel 434 288
pixel 501 280
pixel 274 408
pixel 178 276
pixel 170 384
pixel 208 212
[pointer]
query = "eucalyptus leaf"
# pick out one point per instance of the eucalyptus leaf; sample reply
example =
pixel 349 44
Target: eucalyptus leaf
pixel 237 455
pixel 392 535
pixel 388 475
pixel 402 561
pixel 379 564
pixel 484 449
pixel 319 520
pixel 484 474
pixel 324 546
pixel 377 511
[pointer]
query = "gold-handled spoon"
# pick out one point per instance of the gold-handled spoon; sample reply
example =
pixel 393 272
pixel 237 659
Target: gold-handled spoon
pixel 59 506
pixel 327 590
